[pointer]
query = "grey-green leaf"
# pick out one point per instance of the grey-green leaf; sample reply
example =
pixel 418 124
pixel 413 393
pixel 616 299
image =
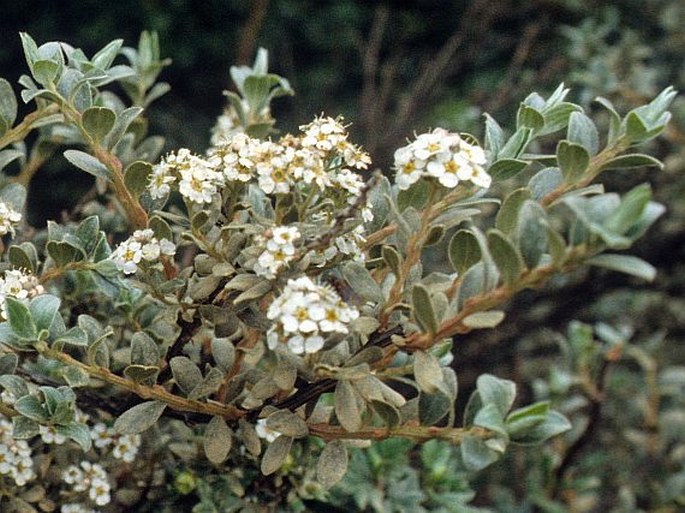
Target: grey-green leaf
pixel 422 306
pixel 625 264
pixel 139 418
pixel 186 374
pixel 332 464
pixel 275 454
pixel 88 163
pixel 463 251
pixel 217 440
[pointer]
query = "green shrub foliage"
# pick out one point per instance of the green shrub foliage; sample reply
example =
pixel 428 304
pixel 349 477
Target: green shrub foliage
pixel 257 328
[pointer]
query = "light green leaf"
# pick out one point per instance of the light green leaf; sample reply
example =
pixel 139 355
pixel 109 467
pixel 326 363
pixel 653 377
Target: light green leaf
pixel 625 264
pixel 98 121
pixel 630 211
pixel 136 177
pixel 427 372
pixel 503 169
pixel 632 160
pixel 433 407
pixel 30 406
pixel 554 424
pixel 463 251
pixel 362 283
pixel 506 256
pixel 422 306
pixel 582 131
pixel 476 455
pixel 573 160
pixel 507 216
pixel 88 163
pixel 20 320
pixel 8 103
pixel 287 423
pixel 349 406
pixel 489 417
pixel 481 320
pixel 79 433
pixel 522 420
pixel 139 418
pixel 500 392
pixel 530 233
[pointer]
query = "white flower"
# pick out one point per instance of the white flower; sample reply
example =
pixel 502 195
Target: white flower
pixel 23 471
pixel 324 133
pixel 8 218
pixel 102 435
pixel 126 447
pixel 409 169
pixel 263 431
pixel 278 250
pixel 161 180
pixel 72 475
pixel 304 313
pixel 141 246
pixel 49 435
pixel 199 183
pixel 99 492
pixel 19 285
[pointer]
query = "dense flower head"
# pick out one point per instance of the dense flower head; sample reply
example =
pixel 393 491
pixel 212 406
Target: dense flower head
pixel 18 284
pixel 8 218
pixel 441 155
pixel 305 314
pixel 198 180
pixel 91 478
pixel 142 246
pixel 15 456
pixel 279 249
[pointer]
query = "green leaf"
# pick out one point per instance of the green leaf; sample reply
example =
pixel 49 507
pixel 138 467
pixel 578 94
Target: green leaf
pixel 275 454
pixel 531 233
pixel 573 160
pixel 481 320
pixel 475 454
pixel 255 292
pixel 98 354
pixel 332 464
pixel 88 163
pixel 63 252
pixel 522 420
pixel 79 433
pixel 74 336
pixel 8 364
pixel 494 137
pixel 516 144
pixel 630 211
pixel 545 181
pixel 43 310
pixel 186 374
pixel 506 256
pixel 554 424
pixel 14 195
pixel 427 372
pixel 8 103
pixel 614 119
pixel 210 384
pixel 556 117
pixel 103 58
pixel 500 392
pixel 507 216
pixel 362 283
pixel 287 423
pixel 45 71
pixel 582 131
pixel 24 428
pixel 349 406
pixel 75 376
pixel 137 176
pixel 625 264
pixel 489 417
pixel 217 440
pixel 503 169
pixel 433 407
pixel 23 256
pixel 14 384
pixel 20 320
pixel 423 309
pixel 529 117
pixel 223 352
pixel 98 121
pixel 632 160
pixel 30 406
pixel 8 156
pixel 416 196
pixel 463 251
pixel 392 258
pixel 145 374
pixel 139 418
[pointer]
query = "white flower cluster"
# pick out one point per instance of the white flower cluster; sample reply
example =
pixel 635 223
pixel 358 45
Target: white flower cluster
pixel 49 435
pixel 278 250
pixel 305 313
pixel 124 447
pixel 8 218
pixel 90 477
pixel 227 124
pixel 441 155
pixel 19 285
pixel 15 456
pixel 141 246
pixel 198 180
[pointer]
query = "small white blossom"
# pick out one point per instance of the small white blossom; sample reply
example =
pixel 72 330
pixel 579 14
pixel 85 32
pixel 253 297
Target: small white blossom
pixel 304 314
pixel 141 246
pixel 324 133
pixel 443 156
pixel 8 218
pixel 49 435
pixel 102 435
pixel 73 507
pixel 126 447
pixel 15 456
pixel 263 431
pixel 278 250
pixel 19 285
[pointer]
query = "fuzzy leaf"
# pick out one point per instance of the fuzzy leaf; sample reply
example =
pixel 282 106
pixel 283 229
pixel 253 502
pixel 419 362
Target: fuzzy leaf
pixel 625 264
pixel 275 454
pixel 88 163
pixel 217 440
pixel 573 160
pixel 287 423
pixel 362 283
pixel 186 374
pixel 422 306
pixel 332 464
pixel 348 406
pixel 480 320
pixel 463 251
pixel 139 418
pixel 500 392
pixel 506 256
pixel 98 121
pixel 427 372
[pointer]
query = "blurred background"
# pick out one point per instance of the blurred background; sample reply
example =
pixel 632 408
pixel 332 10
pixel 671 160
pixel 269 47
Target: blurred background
pixel 395 67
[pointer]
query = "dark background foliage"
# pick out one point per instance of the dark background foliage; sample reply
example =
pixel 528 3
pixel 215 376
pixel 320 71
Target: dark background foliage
pixel 398 66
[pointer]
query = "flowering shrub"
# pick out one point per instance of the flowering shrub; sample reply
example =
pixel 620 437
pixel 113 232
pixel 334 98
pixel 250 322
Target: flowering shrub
pixel 271 307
